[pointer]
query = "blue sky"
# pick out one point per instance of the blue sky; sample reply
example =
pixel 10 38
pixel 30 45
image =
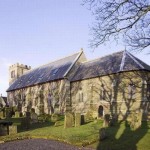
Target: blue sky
pixel 35 32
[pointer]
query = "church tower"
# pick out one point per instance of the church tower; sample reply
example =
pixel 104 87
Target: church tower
pixel 17 70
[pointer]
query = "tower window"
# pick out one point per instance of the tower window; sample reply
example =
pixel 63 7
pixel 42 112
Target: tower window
pixel 12 74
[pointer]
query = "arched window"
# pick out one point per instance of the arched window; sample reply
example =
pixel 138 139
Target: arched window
pixel 102 93
pixel 80 96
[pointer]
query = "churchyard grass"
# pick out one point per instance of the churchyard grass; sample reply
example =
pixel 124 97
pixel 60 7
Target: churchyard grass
pixel 120 136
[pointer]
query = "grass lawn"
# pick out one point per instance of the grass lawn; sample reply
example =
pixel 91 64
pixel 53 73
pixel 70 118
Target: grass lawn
pixel 119 136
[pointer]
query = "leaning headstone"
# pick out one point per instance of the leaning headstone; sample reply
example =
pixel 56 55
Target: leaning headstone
pixel 69 120
pixel 34 117
pixel 77 119
pixel 102 134
pixel 106 120
pixel 12 130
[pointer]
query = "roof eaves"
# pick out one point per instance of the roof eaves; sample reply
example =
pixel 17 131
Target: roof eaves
pixel 33 85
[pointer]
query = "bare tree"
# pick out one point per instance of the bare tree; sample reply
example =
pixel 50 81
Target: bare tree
pixel 125 19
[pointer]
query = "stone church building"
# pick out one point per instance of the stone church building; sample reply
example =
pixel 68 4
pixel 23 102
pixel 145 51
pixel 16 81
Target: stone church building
pixel 116 84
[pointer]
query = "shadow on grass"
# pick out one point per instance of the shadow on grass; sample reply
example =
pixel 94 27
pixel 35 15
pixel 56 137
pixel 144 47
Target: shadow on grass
pixel 123 137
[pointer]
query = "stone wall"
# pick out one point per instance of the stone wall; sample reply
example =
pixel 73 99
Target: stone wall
pixel 118 94
pixel 45 98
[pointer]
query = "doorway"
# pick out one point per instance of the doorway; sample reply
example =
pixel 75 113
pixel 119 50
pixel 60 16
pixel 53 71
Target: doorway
pixel 100 111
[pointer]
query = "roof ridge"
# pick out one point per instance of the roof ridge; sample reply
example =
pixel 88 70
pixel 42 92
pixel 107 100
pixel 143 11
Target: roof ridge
pixel 122 61
pixel 57 60
pixel 73 62
pixel 101 57
pixel 133 58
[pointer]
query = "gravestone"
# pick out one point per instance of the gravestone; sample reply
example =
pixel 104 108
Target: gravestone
pixel 34 117
pixel 77 119
pixel 25 123
pixel 69 120
pixel 17 114
pixel 102 134
pixel 106 120
pixel 12 130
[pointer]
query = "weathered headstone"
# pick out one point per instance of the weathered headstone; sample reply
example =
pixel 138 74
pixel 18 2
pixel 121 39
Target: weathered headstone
pixel 69 120
pixel 77 119
pixel 106 120
pixel 102 134
pixel 34 117
pixel 17 114
pixel 12 130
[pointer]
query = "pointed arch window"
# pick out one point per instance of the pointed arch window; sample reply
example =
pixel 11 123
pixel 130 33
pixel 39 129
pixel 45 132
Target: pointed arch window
pixel 102 93
pixel 80 95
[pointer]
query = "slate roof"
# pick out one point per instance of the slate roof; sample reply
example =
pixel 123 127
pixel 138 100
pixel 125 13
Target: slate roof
pixel 49 72
pixel 116 62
